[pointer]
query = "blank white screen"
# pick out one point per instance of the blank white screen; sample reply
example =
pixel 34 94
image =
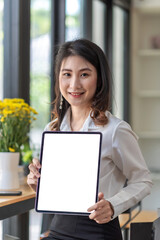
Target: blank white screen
pixel 69 171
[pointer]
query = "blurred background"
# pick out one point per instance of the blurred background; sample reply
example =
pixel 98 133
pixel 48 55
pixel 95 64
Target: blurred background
pixel 128 32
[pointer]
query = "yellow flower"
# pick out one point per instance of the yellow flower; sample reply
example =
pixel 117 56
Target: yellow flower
pixel 11 149
pixel 7 112
pixel 16 116
pixel 1 105
pixel 18 100
pixel 26 109
pixel 6 100
pixel 33 110
pixel 13 100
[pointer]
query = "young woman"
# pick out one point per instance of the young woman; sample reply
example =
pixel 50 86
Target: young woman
pixel 82 104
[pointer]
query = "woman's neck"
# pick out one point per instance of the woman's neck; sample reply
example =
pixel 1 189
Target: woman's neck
pixel 78 117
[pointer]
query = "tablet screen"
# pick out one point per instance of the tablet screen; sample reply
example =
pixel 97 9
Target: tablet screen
pixel 69 173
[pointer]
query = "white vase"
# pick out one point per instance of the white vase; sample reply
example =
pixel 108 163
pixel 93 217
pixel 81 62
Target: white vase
pixel 9 170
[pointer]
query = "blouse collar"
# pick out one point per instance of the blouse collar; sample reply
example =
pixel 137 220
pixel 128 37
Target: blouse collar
pixel 88 124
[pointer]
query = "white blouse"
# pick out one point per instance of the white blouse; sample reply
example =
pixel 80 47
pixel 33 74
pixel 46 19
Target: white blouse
pixel 121 159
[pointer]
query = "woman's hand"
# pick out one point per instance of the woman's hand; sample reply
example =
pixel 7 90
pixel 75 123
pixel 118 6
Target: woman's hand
pixel 32 178
pixel 102 210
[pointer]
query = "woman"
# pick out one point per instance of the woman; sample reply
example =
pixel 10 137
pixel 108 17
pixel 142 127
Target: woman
pixel 82 104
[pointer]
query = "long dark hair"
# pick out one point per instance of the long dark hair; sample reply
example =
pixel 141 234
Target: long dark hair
pixel 93 54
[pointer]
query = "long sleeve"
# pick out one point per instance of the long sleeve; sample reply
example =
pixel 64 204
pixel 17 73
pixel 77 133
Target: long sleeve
pixel 128 158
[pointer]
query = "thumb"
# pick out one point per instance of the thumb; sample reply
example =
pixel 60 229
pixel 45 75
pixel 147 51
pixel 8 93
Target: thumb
pixel 100 196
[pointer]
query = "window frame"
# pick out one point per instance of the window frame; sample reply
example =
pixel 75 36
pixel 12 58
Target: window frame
pixel 125 5
pixel 57 34
pixel 16 49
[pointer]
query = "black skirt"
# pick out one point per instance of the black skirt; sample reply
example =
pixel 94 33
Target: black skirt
pixel 68 227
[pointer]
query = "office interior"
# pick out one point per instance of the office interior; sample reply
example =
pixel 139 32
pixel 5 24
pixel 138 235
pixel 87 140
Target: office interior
pixel 127 30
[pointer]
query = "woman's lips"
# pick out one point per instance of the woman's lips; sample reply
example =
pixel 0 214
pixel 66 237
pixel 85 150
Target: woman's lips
pixel 76 94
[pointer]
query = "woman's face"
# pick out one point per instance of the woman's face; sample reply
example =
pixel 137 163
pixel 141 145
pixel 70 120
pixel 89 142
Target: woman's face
pixel 78 81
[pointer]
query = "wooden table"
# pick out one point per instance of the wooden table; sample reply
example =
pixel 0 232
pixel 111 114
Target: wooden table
pixel 143 216
pixel 17 206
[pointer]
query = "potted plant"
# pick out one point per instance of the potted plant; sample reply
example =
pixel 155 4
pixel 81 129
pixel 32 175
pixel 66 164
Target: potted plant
pixel 16 117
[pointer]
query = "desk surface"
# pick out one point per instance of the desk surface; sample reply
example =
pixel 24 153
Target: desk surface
pixel 27 193
pixel 15 205
pixel 143 216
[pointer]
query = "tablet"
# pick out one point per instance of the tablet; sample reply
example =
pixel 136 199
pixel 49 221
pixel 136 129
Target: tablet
pixel 70 165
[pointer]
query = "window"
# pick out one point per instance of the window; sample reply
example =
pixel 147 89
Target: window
pixel 40 49
pixel 120 62
pixel 99 23
pixel 73 19
pixel 86 19
pixel 1 48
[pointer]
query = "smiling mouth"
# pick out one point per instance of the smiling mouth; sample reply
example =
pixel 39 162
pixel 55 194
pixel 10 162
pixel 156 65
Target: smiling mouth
pixel 76 94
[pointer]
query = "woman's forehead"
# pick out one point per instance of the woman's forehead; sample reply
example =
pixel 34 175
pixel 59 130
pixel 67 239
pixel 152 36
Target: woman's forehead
pixel 76 61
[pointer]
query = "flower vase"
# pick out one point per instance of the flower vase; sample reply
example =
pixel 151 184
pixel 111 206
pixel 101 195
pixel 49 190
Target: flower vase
pixel 9 178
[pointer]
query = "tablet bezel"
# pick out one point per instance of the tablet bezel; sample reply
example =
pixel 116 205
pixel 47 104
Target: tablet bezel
pixel 41 159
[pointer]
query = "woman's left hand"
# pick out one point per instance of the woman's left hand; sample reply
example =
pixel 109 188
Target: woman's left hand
pixel 102 210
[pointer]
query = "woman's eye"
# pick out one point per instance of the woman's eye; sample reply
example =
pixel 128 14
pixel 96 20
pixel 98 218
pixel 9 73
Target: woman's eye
pixel 67 74
pixel 84 74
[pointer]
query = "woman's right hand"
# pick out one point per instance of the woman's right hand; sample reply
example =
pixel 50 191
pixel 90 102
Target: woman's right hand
pixel 32 178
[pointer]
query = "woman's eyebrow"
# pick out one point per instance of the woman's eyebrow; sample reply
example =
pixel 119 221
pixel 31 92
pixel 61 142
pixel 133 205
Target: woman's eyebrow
pixel 85 69
pixel 81 70
pixel 66 69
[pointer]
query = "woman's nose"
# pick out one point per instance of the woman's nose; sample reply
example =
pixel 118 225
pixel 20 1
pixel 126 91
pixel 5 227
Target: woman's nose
pixel 75 82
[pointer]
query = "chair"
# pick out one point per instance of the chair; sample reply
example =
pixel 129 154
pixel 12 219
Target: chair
pixel 131 216
pixel 156 229
pixel 141 231
pixel 145 230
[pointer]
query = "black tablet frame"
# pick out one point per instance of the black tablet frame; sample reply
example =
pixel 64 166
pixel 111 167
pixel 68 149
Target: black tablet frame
pixel 39 180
